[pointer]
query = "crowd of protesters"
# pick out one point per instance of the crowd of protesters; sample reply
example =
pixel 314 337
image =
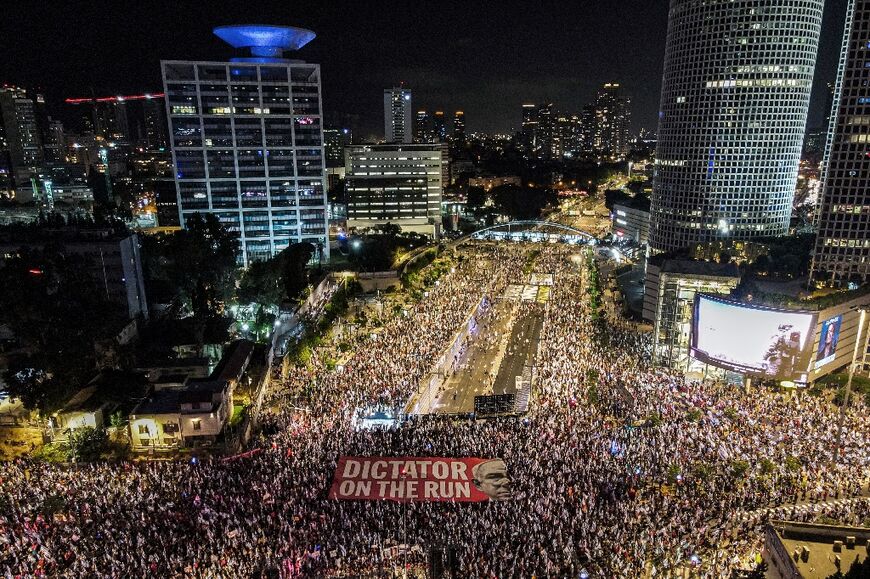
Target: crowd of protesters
pixel 620 469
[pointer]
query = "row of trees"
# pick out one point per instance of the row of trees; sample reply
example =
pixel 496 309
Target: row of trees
pixel 58 309
pixel 513 201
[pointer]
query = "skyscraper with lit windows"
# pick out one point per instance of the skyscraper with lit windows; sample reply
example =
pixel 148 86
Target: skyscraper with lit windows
pixel 459 127
pixel 398 121
pixel 247 140
pixel 735 93
pixel 842 253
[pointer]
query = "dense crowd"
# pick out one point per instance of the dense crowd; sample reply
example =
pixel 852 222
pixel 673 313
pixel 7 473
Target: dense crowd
pixel 620 468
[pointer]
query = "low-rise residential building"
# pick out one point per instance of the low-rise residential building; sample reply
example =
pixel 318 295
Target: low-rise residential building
pixel 85 409
pixel 488 182
pixel 192 416
pixel 185 412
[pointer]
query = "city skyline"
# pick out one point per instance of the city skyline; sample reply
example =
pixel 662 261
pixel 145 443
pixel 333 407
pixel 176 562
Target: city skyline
pixel 562 64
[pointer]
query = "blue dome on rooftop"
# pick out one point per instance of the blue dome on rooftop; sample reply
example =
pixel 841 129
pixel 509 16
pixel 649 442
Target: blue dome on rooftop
pixel 265 40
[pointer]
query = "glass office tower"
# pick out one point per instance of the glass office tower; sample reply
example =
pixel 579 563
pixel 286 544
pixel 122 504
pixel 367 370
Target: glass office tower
pixel 735 93
pixel 247 141
pixel 842 253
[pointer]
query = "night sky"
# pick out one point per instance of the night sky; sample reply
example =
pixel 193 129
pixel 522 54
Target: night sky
pixel 485 58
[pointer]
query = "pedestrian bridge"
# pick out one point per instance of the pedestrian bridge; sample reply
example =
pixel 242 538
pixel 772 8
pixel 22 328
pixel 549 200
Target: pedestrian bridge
pixel 534 231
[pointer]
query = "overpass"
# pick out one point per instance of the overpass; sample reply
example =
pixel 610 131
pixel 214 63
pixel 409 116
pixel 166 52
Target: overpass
pixel 531 230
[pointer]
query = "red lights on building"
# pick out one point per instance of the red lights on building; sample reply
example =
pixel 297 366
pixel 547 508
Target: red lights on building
pixel 115 99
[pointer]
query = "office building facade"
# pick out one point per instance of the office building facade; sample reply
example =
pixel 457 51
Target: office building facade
pixel 735 93
pixel 395 183
pixel 611 123
pixel 398 120
pixel 459 127
pixel 20 133
pixel 247 141
pixel 424 129
pixel 439 124
pixel 842 252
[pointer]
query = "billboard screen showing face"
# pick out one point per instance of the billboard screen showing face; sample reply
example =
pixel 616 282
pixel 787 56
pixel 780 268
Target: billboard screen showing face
pixel 828 340
pixel 752 340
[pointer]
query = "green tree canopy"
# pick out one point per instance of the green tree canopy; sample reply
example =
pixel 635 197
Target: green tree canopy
pixel 198 264
pixel 58 310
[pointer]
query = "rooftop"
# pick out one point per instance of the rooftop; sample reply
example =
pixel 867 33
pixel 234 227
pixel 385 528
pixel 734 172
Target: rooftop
pixel 695 266
pixel 266 41
pixel 820 542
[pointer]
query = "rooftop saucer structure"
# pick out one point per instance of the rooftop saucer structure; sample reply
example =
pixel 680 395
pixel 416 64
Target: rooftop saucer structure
pixel 267 42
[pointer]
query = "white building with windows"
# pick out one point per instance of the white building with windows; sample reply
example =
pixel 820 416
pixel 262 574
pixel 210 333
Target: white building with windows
pixel 398 184
pixel 247 140
pixel 735 92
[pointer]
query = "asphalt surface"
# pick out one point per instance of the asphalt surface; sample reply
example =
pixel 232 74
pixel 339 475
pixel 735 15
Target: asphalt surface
pixel 505 344
pixel 522 346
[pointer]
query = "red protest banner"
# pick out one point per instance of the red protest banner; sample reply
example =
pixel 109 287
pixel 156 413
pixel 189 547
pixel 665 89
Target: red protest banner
pixel 403 478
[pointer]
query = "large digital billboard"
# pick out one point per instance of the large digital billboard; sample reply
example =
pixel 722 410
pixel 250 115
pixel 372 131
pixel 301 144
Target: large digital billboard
pixel 828 340
pixel 752 340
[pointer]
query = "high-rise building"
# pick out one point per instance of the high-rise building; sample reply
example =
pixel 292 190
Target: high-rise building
pixel 334 142
pixel 547 139
pixel 155 123
pixel 397 183
pixel 424 130
pixel 842 253
pixel 735 93
pixel 398 123
pixel 21 133
pixel 529 126
pixel 612 118
pixel 439 124
pixel 459 127
pixel 247 140
pixel 55 142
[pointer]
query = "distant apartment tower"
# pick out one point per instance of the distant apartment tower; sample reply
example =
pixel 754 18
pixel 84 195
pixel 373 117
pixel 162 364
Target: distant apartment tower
pixel 529 126
pixel 439 124
pixel 21 134
pixel 611 123
pixel 398 123
pixel 842 252
pixel 548 144
pixel 394 183
pixel 247 141
pixel 459 127
pixel 334 142
pixel 155 123
pixel 735 92
pixel 424 129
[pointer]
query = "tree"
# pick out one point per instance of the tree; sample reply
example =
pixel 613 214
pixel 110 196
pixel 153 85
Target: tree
pixel 199 265
pixel 262 283
pixel 522 202
pixel 55 306
pixel 293 262
pixel 858 570
pixel 476 197
pixel 86 443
